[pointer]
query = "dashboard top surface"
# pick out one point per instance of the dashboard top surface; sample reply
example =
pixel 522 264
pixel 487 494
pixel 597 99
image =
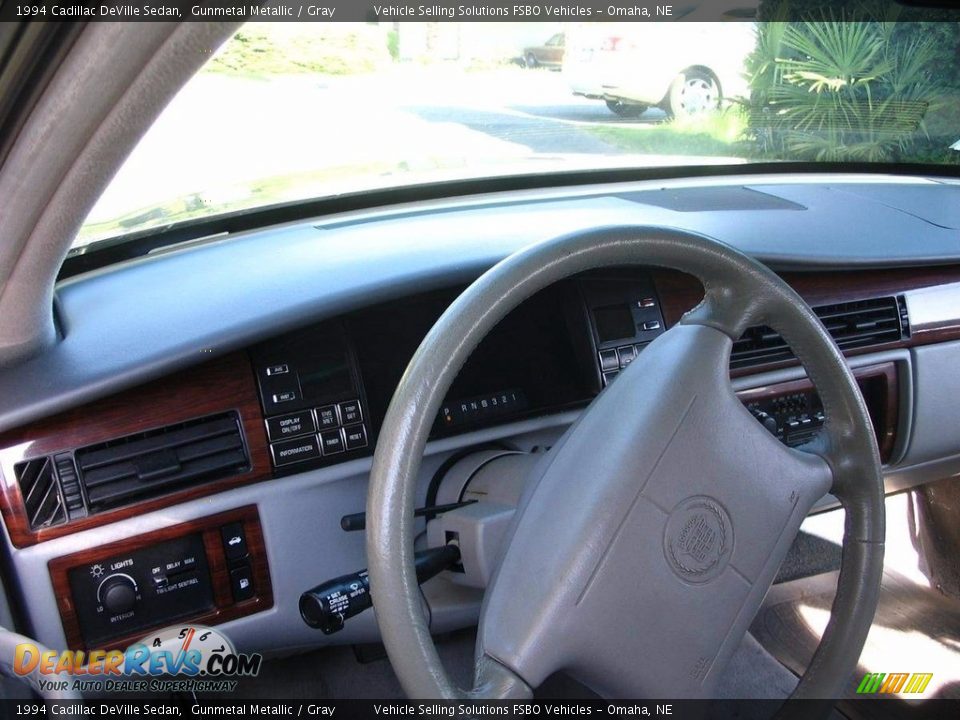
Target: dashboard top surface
pixel 127 324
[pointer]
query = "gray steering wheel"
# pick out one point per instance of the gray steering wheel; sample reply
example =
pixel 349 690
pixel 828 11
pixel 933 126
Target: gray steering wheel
pixel 652 530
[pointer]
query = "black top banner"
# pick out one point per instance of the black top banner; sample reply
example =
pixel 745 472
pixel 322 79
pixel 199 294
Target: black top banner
pixel 404 11
pixel 186 707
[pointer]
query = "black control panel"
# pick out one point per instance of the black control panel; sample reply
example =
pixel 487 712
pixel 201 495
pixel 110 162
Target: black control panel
pixel 312 399
pixel 793 418
pixel 624 316
pixel 119 595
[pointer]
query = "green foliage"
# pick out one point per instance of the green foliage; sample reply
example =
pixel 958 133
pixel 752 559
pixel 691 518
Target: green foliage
pixel 268 49
pixel 857 87
pixel 393 44
pixel 710 134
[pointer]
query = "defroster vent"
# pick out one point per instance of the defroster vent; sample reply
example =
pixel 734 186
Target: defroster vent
pixel 150 463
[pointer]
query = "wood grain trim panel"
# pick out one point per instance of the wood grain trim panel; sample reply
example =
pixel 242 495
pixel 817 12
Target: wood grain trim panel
pixel 225 608
pixel 680 292
pixel 880 385
pixel 221 385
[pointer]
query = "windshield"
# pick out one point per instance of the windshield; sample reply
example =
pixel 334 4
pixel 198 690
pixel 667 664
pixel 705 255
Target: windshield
pixel 294 111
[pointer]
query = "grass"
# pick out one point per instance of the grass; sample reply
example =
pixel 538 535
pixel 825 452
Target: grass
pixel 719 133
pixel 261 50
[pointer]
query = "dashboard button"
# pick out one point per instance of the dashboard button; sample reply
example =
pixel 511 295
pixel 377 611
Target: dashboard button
pixel 651 325
pixel 234 541
pixel 327 417
pixel 241 581
pixel 285 396
pixel 350 412
pixel 356 436
pixel 627 354
pixel 281 369
pixel 293 425
pixel 292 451
pixel 608 377
pixel 608 360
pixel 332 442
pixel 647 302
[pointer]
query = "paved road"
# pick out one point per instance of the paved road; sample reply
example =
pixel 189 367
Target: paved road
pixel 221 133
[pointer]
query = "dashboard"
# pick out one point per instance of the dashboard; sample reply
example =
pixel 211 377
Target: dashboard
pixel 210 484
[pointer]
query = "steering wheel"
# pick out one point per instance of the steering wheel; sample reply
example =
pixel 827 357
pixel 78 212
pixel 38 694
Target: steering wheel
pixel 650 533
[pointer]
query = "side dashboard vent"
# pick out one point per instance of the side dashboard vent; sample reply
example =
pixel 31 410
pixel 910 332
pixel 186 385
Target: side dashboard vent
pixel 41 493
pixel 150 463
pixel 861 323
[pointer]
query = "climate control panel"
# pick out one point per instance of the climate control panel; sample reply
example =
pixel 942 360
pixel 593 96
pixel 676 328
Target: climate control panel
pixel 794 418
pixel 793 412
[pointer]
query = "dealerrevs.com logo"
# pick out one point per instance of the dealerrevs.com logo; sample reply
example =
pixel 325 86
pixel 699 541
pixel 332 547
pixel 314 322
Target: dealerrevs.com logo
pixel 175 659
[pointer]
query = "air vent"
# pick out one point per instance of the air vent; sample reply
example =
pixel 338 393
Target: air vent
pixel 857 324
pixel 41 493
pixel 150 463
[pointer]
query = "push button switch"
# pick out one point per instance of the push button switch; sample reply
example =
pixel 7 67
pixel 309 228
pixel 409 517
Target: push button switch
pixel 627 354
pixel 291 451
pixel 350 412
pixel 356 436
pixel 327 417
pixel 241 581
pixel 293 425
pixel 608 360
pixel 332 442
pixel 284 396
pixel 234 541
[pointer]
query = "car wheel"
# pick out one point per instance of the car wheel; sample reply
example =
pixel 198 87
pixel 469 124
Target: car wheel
pixel 626 110
pixel 693 93
pixel 530 60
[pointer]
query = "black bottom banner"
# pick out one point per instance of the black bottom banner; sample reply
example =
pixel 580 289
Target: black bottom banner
pixel 348 709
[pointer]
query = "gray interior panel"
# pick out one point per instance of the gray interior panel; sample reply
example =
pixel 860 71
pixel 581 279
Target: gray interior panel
pixel 936 427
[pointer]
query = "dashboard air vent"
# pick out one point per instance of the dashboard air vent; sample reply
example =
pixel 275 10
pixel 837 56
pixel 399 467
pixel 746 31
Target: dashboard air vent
pixel 149 463
pixel 41 493
pixel 860 323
